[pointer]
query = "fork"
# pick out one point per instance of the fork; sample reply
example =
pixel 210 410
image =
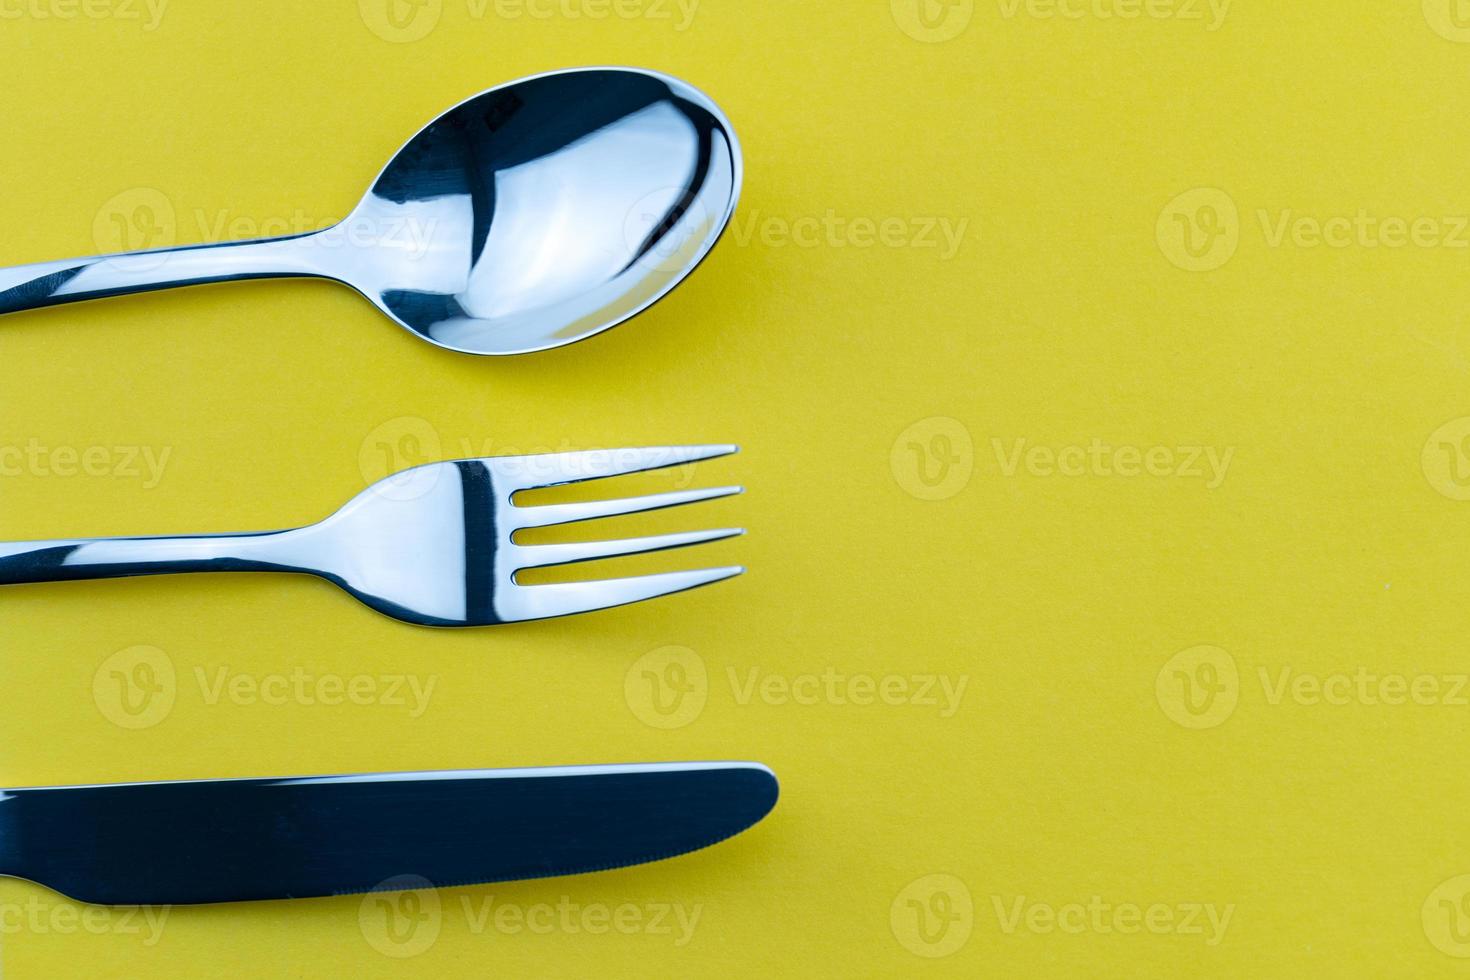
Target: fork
pixel 429 545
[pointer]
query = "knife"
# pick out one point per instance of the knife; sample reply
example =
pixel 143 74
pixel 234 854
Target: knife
pixel 227 840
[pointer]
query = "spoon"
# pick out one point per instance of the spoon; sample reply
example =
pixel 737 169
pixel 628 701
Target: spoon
pixel 532 215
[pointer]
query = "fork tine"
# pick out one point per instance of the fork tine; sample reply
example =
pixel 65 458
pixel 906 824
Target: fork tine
pixel 564 599
pixel 549 514
pixel 540 555
pixel 553 469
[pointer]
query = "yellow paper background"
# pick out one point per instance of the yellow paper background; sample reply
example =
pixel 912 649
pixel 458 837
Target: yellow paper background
pixel 1335 543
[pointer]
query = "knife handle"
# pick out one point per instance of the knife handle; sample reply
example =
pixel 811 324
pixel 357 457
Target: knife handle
pixel 24 562
pixel 26 287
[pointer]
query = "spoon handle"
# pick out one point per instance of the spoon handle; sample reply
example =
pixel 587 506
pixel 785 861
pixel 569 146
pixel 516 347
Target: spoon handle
pixel 27 287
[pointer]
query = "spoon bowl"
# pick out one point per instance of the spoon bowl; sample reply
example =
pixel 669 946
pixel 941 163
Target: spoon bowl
pixel 530 216
pixel 547 210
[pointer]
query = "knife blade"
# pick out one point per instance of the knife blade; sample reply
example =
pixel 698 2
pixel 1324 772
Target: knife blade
pixel 224 840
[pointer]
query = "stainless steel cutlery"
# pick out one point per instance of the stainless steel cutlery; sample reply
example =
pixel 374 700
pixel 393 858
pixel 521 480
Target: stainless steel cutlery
pixel 227 840
pixel 430 545
pixel 530 216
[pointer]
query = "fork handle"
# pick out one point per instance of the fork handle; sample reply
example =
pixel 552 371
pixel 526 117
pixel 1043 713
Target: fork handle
pixel 26 287
pixel 24 562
